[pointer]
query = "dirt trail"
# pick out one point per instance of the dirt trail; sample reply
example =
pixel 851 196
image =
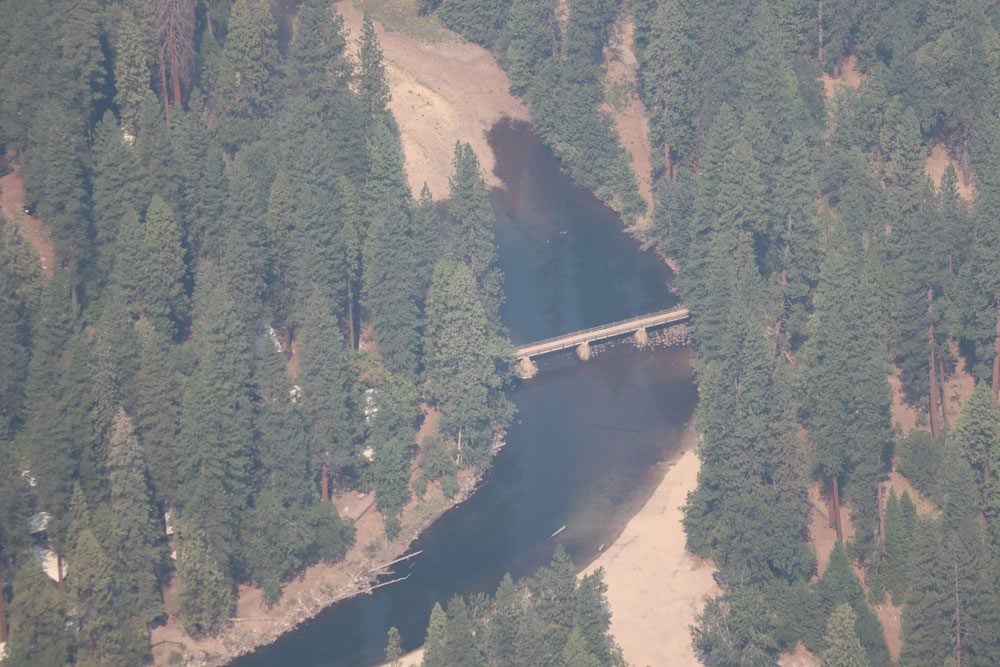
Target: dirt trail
pixel 622 103
pixel 33 229
pixel 655 587
pixel 442 92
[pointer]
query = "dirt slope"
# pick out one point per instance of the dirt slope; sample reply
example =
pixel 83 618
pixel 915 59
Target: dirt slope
pixel 621 94
pixel 442 92
pixel 12 207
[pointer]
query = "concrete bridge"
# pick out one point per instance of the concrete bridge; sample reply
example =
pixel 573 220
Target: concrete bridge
pixel 581 340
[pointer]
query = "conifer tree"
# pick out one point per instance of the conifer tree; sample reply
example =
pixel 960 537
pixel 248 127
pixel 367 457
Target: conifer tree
pixel 82 55
pixel 206 595
pixel 216 442
pixel 37 621
pixel 575 651
pixel 391 433
pixel 328 400
pixel 459 641
pixel 463 358
pixel 393 650
pixel 848 413
pixel 246 86
pixel 977 435
pixel 505 622
pixel 434 644
pixel 280 228
pixel 472 222
pixel 428 244
pixel 374 86
pixel 139 530
pixel 119 185
pixel 897 562
pixel 533 38
pixel 839 585
pixel 165 273
pixel 108 630
pixel 157 411
pixel 843 649
pixel 132 67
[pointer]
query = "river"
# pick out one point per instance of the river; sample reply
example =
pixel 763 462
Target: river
pixel 583 450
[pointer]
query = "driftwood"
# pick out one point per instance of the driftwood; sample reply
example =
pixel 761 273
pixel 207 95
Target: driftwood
pixel 398 560
pixel 385 583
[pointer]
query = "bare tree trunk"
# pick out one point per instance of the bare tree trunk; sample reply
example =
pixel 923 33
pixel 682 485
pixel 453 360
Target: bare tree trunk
pixel 996 358
pixel 822 54
pixel 59 569
pixel 942 384
pixel 836 511
pixel 932 372
pixel 3 614
pixel 175 77
pixel 668 162
pixel 324 483
pixel 958 619
pixel 351 337
pixel 163 90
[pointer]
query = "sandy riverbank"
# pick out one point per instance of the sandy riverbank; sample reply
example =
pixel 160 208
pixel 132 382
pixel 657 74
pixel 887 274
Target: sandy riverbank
pixel 655 587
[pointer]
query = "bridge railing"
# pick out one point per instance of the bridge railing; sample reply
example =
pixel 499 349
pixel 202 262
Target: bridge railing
pixel 609 325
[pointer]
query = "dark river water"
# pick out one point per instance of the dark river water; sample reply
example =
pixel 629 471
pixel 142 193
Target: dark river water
pixel 589 441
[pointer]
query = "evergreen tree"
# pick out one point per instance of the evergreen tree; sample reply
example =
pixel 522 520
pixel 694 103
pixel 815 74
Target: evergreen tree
pixel 132 68
pixel 848 406
pixel 472 222
pixel 139 530
pixel 38 633
pixel 459 641
pixel 897 561
pixel 206 595
pixel 215 445
pixel 108 632
pixel 434 644
pixel 246 85
pixel 533 37
pixel 391 434
pixel 428 244
pixel 165 273
pixel 505 622
pixel 120 185
pixel 463 360
pixel 374 86
pixel 977 435
pixel 575 652
pixel 839 585
pixel 843 649
pixel 82 54
pixel 393 649
pixel 157 412
pixel 328 401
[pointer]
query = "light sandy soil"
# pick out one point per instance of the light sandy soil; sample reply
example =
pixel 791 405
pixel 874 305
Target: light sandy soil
pixel 622 103
pixel 12 207
pixel 655 587
pixel 938 161
pixel 891 618
pixel 848 77
pixel 957 388
pixel 442 92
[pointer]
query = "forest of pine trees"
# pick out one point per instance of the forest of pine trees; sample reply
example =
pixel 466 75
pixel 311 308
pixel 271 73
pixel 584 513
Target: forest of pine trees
pixel 218 202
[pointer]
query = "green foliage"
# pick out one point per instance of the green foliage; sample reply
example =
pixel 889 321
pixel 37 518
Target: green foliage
pixel 216 442
pixel 329 396
pixel 374 85
pixel 465 361
pixel 518 626
pixel 37 621
pixel 735 630
pixel 843 649
pixel 391 432
pixel 839 585
pixel 920 460
pixel 206 595
pixel 897 561
pixel 139 538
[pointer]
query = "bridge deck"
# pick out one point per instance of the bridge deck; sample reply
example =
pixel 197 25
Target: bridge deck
pixel 600 333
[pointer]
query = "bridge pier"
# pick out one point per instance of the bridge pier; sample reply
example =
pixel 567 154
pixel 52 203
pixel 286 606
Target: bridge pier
pixel 583 351
pixel 526 368
pixel 641 337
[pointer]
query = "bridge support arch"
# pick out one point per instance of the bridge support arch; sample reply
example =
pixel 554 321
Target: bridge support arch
pixel 583 351
pixel 641 338
pixel 526 368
